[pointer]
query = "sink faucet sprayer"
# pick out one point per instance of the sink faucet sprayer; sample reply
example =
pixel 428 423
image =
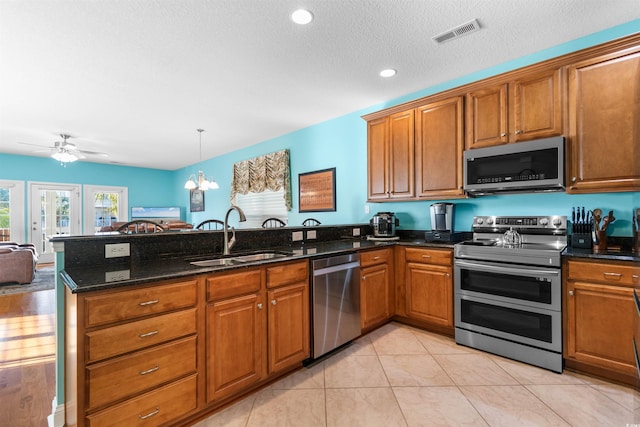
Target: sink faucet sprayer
pixel 228 244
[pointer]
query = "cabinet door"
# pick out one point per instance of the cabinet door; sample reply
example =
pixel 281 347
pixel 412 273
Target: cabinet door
pixel 401 155
pixel 600 321
pixel 429 293
pixel 235 345
pixel 375 301
pixel 604 124
pixel 378 158
pixel 536 106
pixel 439 146
pixel 288 326
pixel 487 117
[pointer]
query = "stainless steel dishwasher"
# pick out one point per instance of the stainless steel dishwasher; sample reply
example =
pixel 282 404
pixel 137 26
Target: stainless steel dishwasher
pixel 336 302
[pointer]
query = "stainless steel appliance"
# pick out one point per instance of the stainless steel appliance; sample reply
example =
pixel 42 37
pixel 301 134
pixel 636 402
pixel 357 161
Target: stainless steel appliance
pixel 384 224
pixel 335 302
pixel 508 288
pixel 531 166
pixel 442 215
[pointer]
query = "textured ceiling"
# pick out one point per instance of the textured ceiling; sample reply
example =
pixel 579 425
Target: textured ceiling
pixel 135 78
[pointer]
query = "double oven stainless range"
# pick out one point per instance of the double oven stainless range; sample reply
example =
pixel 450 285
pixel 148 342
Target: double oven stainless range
pixel 508 288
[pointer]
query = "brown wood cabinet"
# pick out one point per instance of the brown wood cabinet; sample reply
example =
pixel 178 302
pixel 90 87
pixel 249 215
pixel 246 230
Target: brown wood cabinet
pixel 515 111
pixel 123 346
pixel 376 291
pixel 439 149
pixel 429 286
pixel 604 123
pixel 253 333
pixel 390 157
pixel 600 317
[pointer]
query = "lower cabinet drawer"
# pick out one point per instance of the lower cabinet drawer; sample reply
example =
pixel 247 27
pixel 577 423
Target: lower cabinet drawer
pixel 127 375
pixel 121 339
pixel 151 409
pixel 430 256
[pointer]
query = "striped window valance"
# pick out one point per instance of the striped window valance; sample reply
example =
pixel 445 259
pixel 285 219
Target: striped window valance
pixel 268 172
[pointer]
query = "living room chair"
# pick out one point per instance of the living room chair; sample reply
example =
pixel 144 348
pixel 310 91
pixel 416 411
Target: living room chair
pixel 140 226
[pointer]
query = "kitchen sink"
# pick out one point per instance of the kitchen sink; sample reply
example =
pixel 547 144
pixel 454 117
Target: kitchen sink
pixel 240 259
pixel 259 256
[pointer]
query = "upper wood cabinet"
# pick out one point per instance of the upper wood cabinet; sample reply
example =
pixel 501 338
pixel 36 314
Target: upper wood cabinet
pixel 527 108
pixel 439 146
pixel 390 157
pixel 604 123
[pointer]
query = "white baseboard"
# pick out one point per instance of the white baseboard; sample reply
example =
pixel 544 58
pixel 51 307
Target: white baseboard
pixel 56 419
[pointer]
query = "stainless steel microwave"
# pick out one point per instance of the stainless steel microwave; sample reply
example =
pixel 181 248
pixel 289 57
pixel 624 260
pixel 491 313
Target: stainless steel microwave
pixel 522 167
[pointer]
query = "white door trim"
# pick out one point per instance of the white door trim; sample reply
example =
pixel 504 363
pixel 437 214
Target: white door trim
pixel 17 213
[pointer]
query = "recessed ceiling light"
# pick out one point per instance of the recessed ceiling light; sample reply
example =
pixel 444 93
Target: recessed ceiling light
pixel 302 16
pixel 389 72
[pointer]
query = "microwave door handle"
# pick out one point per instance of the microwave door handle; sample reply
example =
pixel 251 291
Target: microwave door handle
pixel 505 269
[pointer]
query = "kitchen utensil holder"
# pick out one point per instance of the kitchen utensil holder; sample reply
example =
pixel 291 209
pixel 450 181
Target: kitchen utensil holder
pixel 601 246
pixel 581 240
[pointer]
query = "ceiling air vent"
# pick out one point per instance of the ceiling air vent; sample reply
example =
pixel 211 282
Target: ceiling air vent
pixel 459 31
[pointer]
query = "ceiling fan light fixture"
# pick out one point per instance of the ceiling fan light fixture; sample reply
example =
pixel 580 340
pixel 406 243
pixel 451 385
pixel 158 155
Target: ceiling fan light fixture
pixel 64 156
pixel 201 183
pixel 388 72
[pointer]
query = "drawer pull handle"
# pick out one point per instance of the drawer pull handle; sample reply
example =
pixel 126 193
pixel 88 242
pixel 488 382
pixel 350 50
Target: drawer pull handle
pixel 153 301
pixel 375 258
pixel 426 256
pixel 148 371
pixel 149 415
pixel 612 275
pixel 148 334
pixel 635 277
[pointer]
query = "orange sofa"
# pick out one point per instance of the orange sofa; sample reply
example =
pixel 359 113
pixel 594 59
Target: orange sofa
pixel 17 262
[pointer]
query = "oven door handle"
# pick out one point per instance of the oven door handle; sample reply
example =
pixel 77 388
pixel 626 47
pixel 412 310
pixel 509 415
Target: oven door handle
pixel 505 269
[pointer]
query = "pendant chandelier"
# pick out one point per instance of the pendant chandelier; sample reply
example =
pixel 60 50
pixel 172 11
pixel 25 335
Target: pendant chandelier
pixel 200 182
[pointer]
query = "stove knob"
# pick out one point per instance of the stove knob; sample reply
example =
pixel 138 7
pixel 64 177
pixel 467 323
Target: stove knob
pixel 557 222
pixel 543 221
pixel 479 221
pixel 489 221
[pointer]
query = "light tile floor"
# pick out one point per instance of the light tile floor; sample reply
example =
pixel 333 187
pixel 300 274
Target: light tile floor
pixel 401 376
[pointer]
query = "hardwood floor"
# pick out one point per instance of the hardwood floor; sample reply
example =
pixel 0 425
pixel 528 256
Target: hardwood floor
pixel 27 358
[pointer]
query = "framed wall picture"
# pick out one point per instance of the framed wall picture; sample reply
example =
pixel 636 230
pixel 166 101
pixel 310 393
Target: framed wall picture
pixel 196 200
pixel 317 191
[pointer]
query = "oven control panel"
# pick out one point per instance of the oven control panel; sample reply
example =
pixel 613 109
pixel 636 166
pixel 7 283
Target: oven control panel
pixel 519 222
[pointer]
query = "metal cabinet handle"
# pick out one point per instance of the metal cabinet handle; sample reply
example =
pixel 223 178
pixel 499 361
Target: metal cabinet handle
pixel 426 256
pixel 574 179
pixel 612 275
pixel 364 277
pixel 635 277
pixel 148 371
pixel 148 334
pixel 518 132
pixel 154 301
pixel 260 306
pixel 150 414
pixel 571 293
pixel 274 302
pixel 503 134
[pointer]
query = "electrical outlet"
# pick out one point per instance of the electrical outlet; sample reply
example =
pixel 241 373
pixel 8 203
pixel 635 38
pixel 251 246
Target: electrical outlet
pixel 117 250
pixel 356 232
pixel 296 236
pixel 311 234
pixel 366 209
pixel 117 276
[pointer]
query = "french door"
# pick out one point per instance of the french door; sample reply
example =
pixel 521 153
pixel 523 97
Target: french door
pixel 54 211
pixel 12 227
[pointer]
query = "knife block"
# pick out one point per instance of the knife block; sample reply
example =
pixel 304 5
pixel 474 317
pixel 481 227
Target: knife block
pixel 581 240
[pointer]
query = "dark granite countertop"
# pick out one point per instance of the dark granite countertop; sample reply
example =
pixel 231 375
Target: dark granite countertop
pixel 617 255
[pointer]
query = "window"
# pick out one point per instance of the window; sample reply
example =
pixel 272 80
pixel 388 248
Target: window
pixel 104 206
pixel 261 187
pixel 259 206
pixel 12 226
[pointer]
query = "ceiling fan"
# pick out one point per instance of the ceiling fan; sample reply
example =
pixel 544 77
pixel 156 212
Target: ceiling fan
pixel 67 152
